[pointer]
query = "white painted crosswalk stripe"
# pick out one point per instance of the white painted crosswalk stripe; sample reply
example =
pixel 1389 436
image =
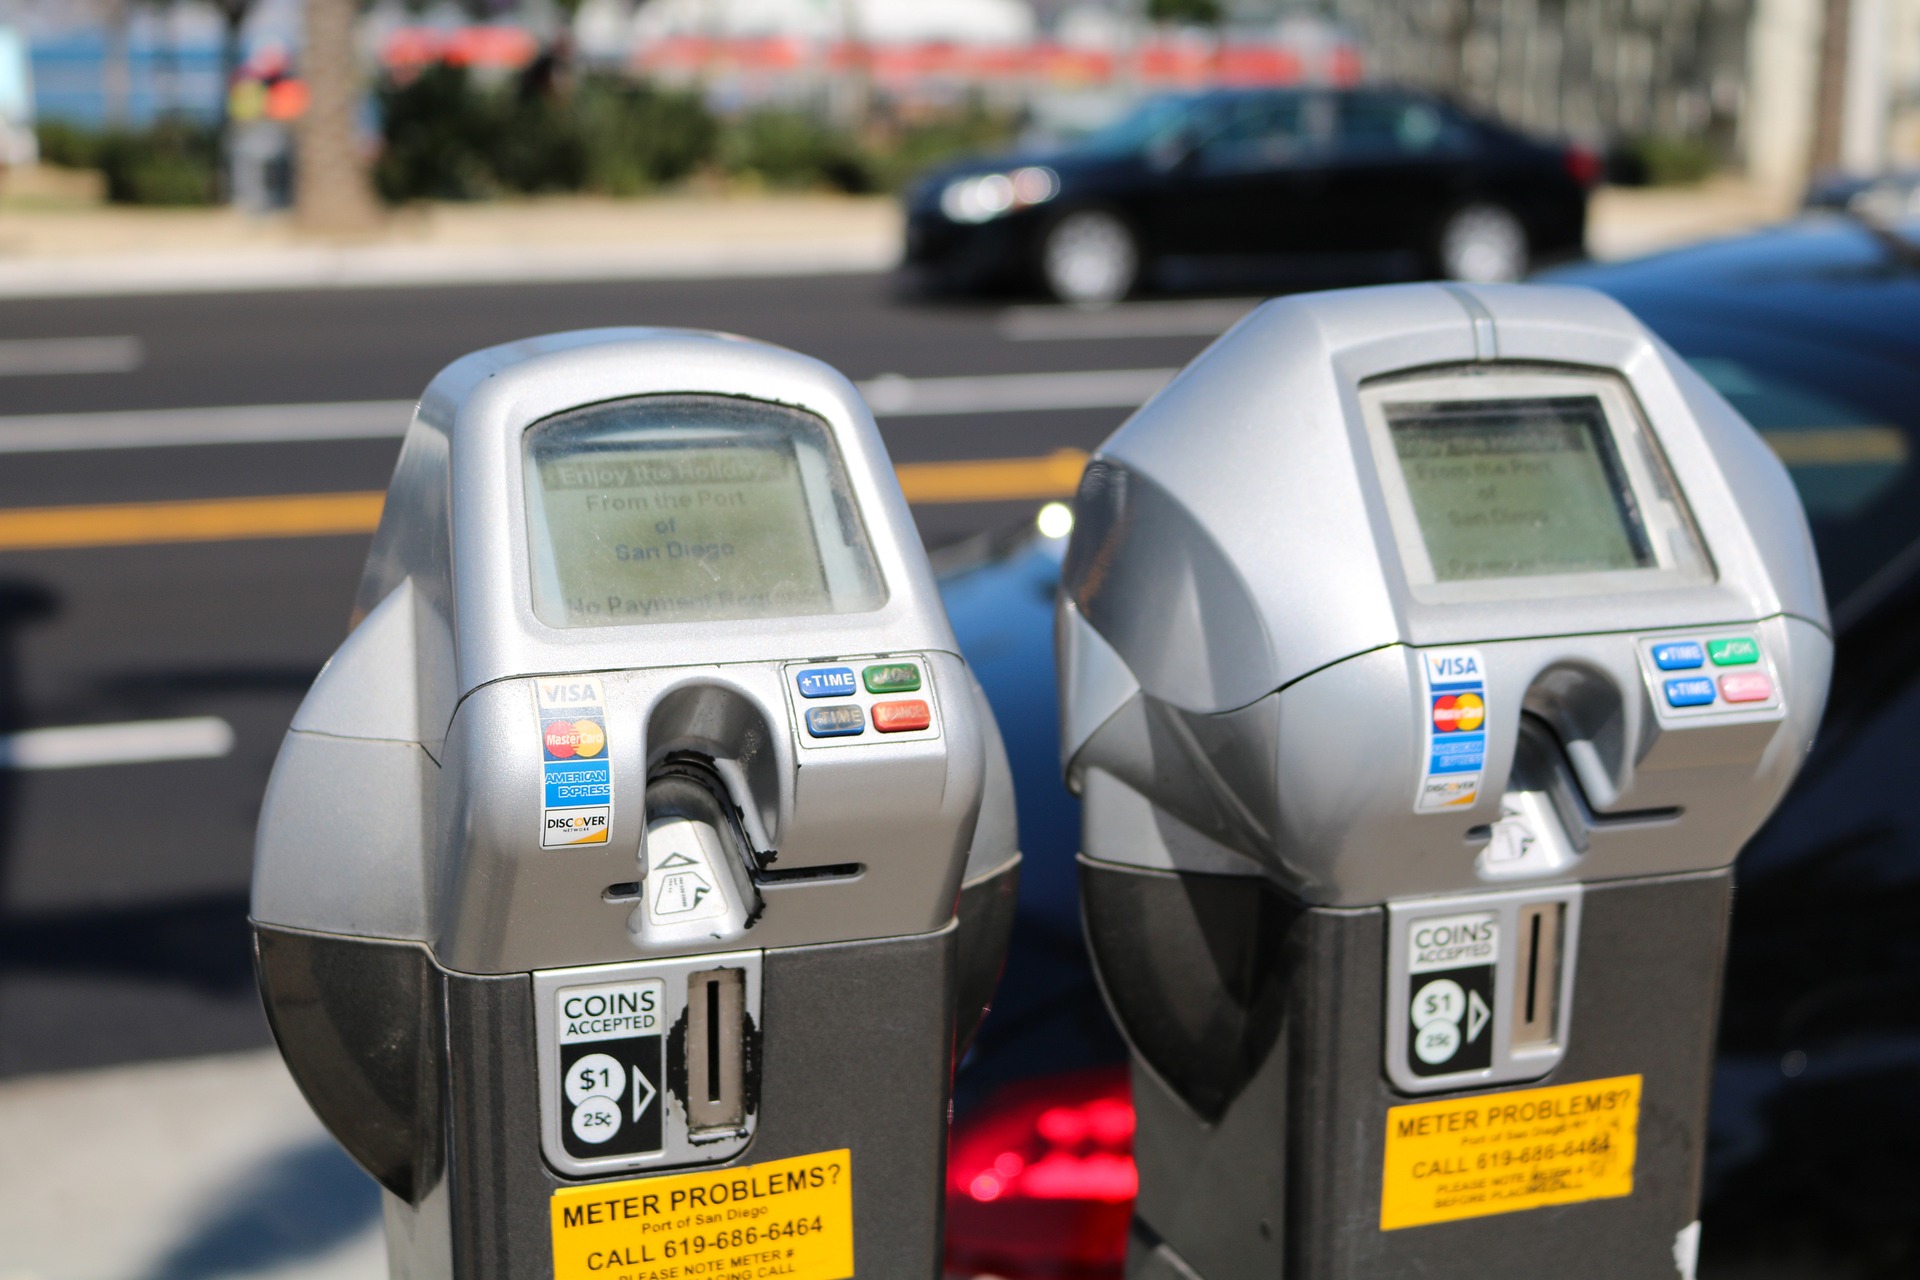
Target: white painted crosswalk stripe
pixel 131 742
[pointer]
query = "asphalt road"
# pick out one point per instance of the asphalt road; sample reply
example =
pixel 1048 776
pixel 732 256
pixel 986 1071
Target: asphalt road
pixel 123 886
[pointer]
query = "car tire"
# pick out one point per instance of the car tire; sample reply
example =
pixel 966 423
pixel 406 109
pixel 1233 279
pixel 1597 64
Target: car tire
pixel 1089 257
pixel 1482 244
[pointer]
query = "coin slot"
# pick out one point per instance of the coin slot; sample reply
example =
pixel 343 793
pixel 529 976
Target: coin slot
pixel 716 1049
pixel 1537 993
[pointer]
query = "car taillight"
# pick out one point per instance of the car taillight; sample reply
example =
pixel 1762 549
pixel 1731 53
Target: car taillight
pixel 1040 1180
pixel 1583 166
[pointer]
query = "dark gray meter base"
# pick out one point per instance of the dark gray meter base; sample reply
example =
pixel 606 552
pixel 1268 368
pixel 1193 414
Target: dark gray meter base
pixel 1288 1002
pixel 857 1054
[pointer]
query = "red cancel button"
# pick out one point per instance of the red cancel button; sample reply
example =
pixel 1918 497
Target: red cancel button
pixel 1748 686
pixel 901 717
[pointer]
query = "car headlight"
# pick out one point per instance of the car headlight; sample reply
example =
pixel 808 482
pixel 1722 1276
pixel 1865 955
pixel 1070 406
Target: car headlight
pixel 991 195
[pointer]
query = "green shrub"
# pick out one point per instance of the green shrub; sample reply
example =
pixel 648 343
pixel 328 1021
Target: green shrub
pixel 170 162
pixel 175 162
pixel 448 138
pixel 922 146
pixel 1676 161
pixel 438 136
pixel 791 149
pixel 635 137
pixel 68 145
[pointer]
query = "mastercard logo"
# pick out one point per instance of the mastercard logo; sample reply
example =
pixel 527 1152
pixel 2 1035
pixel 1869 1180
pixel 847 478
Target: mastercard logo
pixel 1458 712
pixel 566 739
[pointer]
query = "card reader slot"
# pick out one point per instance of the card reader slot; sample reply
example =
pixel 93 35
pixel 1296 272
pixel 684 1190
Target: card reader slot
pixel 1540 763
pixel 777 876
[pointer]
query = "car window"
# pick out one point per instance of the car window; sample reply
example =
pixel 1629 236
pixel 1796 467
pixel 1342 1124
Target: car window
pixel 1151 125
pixel 1390 123
pixel 1840 429
pixel 1259 132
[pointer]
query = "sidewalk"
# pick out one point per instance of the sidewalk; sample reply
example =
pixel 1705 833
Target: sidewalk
pixel 52 247
pixel 47 250
pixel 186 1170
pixel 1626 222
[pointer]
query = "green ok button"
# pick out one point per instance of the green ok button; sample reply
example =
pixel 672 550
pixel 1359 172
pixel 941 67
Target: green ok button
pixel 898 677
pixel 1735 652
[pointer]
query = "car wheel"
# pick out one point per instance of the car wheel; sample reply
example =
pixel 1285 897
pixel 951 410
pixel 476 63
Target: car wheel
pixel 1483 244
pixel 1089 257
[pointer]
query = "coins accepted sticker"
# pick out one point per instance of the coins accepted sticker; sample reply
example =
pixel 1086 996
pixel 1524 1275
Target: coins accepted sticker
pixel 1502 1152
pixel 787 1218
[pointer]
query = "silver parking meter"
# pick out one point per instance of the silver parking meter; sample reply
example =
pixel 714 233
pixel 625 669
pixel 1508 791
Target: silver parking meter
pixel 1428 653
pixel 630 874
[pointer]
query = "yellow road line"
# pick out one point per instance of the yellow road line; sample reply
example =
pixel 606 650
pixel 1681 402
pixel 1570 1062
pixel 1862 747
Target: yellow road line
pixel 993 479
pixel 308 515
pixel 215 520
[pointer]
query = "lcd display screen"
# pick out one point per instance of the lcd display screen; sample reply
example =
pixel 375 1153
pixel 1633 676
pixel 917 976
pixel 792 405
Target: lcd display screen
pixel 1516 488
pixel 691 509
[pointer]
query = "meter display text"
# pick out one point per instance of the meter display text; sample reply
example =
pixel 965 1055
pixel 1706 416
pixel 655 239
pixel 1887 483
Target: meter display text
pixel 676 509
pixel 1514 488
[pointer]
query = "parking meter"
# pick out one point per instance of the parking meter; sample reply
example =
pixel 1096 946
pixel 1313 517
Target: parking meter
pixel 1427 655
pixel 629 875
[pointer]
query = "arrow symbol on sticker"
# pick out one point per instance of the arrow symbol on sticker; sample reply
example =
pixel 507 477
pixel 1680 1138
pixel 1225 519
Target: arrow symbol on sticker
pixel 643 1092
pixel 1478 1016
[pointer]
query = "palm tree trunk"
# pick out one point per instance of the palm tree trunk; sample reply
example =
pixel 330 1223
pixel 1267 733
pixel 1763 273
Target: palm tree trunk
pixel 332 190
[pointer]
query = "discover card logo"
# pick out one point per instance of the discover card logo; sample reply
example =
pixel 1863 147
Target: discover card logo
pixel 564 827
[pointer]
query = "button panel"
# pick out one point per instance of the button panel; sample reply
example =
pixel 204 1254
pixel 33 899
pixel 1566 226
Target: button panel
pixel 1714 674
pixel 852 701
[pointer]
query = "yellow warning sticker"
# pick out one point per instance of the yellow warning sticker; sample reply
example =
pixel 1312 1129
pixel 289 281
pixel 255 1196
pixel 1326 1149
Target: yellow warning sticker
pixel 783 1220
pixel 1502 1152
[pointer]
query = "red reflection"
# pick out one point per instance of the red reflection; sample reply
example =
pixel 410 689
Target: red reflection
pixel 1040 1180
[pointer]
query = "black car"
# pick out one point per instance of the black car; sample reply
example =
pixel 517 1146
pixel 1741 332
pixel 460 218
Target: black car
pixel 1235 185
pixel 1813 332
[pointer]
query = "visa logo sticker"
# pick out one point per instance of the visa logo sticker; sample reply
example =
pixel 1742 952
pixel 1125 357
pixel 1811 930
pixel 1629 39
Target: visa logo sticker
pixel 1452 666
pixel 1454 712
pixel 570 691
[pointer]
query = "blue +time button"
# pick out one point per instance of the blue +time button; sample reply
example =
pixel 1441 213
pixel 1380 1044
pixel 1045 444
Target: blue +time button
pixel 827 682
pixel 1679 655
pixel 1690 691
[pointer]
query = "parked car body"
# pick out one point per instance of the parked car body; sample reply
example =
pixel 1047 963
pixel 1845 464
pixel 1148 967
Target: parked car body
pixel 1235 184
pixel 1813 332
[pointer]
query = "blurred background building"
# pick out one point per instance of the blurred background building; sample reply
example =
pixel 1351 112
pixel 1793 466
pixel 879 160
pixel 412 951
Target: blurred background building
pixel 1775 89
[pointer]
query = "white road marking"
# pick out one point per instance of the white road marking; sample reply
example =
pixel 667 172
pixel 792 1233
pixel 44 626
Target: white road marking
pixel 389 266
pixel 233 424
pixel 26 357
pixel 890 396
pixel 83 746
pixel 1202 318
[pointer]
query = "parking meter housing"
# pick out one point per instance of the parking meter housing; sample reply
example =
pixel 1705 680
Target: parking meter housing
pixel 567 765
pixel 1408 616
